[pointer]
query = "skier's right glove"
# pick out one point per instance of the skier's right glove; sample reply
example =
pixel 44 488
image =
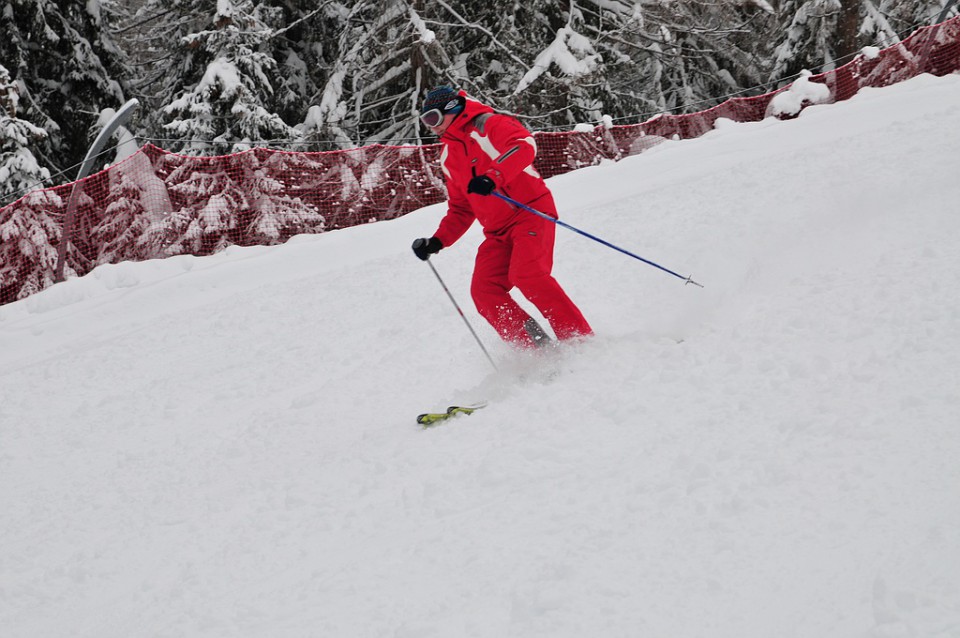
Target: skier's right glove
pixel 424 247
pixel 481 185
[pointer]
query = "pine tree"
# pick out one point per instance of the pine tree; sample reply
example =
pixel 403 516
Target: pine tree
pixel 205 198
pixel 553 64
pixel 569 76
pixel 372 88
pixel 257 197
pixel 820 35
pixel 274 214
pixel 886 22
pixel 19 169
pixel 300 45
pixel 27 232
pixel 125 221
pixel 67 67
pixel 225 106
pixel 28 236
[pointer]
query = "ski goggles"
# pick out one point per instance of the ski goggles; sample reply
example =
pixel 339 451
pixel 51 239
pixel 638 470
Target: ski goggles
pixel 432 118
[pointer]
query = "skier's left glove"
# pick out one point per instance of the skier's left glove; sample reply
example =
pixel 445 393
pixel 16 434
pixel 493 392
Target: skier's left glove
pixel 424 247
pixel 481 185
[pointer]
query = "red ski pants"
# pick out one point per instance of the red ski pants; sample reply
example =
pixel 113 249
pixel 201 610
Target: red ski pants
pixel 523 257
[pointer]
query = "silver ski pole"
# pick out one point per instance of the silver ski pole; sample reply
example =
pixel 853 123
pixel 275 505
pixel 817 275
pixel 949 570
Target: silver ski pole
pixel 463 316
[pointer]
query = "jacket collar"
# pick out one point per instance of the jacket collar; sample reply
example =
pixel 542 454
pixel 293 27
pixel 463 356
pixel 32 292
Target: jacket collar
pixel 458 128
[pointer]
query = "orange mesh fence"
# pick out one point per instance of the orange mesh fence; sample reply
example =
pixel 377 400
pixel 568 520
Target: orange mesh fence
pixel 157 204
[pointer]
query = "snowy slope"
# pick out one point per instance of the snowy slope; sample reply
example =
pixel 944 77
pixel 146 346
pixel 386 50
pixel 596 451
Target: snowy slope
pixel 225 446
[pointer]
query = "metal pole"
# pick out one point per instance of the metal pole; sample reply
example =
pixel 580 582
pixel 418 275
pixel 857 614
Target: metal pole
pixel 946 9
pixel 464 317
pixel 116 122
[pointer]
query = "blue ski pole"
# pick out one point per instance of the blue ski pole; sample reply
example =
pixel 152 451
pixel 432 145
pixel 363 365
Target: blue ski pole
pixel 510 200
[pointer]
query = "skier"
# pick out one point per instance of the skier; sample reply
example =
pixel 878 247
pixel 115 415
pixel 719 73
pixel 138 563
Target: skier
pixel 485 151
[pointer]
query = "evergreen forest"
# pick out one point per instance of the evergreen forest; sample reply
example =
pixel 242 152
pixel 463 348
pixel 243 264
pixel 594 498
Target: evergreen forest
pixel 216 77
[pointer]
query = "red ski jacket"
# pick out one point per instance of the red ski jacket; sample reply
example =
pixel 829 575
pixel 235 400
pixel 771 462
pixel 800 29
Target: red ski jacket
pixel 481 142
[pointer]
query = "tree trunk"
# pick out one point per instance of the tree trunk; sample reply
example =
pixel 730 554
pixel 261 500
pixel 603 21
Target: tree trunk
pixel 847 28
pixel 419 71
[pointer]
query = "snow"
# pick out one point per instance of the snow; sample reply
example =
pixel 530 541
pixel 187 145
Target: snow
pixel 763 4
pixel 154 197
pixel 225 9
pixel 126 142
pixel 426 35
pixel 93 8
pixel 801 92
pixel 221 74
pixel 225 446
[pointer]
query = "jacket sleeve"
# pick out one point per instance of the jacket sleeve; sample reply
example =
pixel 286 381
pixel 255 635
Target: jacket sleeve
pixel 516 146
pixel 458 219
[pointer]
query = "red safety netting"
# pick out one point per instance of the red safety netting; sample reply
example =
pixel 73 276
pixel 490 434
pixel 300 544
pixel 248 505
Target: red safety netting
pixel 157 204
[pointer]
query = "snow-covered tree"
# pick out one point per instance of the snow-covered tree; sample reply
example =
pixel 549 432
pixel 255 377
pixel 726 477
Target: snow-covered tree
pixel 250 198
pixel 19 169
pixel 125 220
pixel 657 57
pixel 810 37
pixel 28 240
pixel 224 76
pixel 67 68
pixel 28 234
pixel 205 196
pixel 371 91
pixel 823 34
pixel 351 72
pixel 226 103
pixel 886 22
pixel 554 64
pixel 301 47
pixel 273 214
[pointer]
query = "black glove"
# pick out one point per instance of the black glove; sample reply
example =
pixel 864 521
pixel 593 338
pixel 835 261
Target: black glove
pixel 481 185
pixel 424 247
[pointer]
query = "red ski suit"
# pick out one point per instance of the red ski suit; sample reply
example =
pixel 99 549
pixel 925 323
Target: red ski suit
pixel 518 246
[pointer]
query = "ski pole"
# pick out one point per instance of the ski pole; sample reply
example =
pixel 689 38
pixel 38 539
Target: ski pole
pixel 593 237
pixel 463 316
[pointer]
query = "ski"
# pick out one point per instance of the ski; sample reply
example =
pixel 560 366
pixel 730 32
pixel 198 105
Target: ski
pixel 435 418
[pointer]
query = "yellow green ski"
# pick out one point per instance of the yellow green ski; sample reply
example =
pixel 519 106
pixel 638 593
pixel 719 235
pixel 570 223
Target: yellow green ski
pixel 435 418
